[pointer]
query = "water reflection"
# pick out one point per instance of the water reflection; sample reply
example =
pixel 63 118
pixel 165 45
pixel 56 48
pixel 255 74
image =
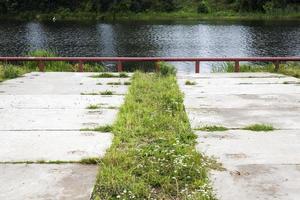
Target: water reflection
pixel 106 40
pixel 202 39
pixel 36 37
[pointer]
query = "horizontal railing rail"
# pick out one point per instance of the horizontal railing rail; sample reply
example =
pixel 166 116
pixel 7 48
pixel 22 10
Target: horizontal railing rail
pixel 119 60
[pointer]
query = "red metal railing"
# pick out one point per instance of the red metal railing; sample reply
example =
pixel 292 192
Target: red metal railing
pixel 119 60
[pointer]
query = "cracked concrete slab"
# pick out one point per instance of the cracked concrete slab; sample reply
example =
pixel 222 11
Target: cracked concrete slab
pixel 259 165
pixel 41 117
pixel 46 182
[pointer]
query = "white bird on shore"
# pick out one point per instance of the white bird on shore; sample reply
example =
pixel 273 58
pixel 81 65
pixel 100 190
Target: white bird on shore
pixel 54 19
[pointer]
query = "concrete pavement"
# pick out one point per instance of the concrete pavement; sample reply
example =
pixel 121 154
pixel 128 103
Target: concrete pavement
pixel 41 117
pixel 259 165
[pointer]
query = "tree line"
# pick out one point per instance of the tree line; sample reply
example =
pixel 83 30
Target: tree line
pixel 203 6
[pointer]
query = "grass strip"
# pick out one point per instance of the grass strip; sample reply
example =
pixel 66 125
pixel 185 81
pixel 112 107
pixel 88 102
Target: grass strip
pixel 190 82
pixel 260 128
pixel 212 128
pixel 84 161
pixel 153 154
pixel 93 107
pixel 103 129
pixel 110 75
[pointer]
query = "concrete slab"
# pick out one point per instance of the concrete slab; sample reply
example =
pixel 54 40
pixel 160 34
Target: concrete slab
pixel 22 146
pixel 55 119
pixel 47 182
pixel 58 101
pixel 280 118
pixel 258 182
pixel 238 147
pixel 258 165
pixel 64 83
pixel 242 101
pixel 41 115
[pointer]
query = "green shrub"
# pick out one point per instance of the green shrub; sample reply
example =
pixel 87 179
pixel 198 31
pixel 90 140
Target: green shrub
pixel 167 69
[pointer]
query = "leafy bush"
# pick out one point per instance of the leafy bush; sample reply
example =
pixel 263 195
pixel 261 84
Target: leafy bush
pixel 167 69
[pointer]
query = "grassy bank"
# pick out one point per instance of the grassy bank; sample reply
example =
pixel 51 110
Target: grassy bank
pixel 290 68
pixel 151 15
pixel 153 155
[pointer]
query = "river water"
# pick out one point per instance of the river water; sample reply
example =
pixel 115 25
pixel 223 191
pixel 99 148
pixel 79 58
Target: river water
pixel 170 38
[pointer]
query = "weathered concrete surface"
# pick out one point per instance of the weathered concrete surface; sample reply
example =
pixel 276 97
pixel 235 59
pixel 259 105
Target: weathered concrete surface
pixel 55 119
pixel 41 117
pixel 62 83
pixel 258 165
pixel 18 146
pixel 47 182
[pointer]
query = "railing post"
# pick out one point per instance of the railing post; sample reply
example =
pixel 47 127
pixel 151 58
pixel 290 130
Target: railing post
pixel 80 66
pixel 41 66
pixel 276 63
pixel 237 66
pixel 119 66
pixel 157 66
pixel 197 67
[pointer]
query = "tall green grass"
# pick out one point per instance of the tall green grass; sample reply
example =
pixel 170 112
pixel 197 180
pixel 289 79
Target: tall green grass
pixel 289 68
pixel 60 66
pixel 8 71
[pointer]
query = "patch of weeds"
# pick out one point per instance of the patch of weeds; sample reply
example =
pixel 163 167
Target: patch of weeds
pixel 93 107
pixel 190 82
pixel 109 75
pixel 107 92
pixel 127 83
pixel 212 128
pixel 114 83
pixel 167 69
pixel 112 107
pixel 123 75
pixel 99 84
pixel 260 127
pixel 10 72
pixel 90 161
pixel 103 129
pixel 91 93
pixel 153 154
pixel 291 82
pixel 85 161
pixel 104 75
